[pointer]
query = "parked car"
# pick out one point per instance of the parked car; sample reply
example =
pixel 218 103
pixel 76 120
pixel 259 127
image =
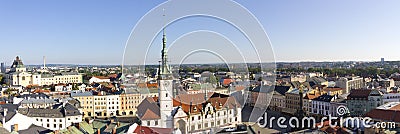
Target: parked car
pixel 241 127
pixel 230 129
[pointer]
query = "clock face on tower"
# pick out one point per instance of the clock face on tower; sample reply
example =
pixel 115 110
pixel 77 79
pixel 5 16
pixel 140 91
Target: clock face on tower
pixel 166 83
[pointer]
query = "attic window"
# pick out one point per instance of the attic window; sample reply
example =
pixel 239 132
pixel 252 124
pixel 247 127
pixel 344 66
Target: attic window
pixel 195 109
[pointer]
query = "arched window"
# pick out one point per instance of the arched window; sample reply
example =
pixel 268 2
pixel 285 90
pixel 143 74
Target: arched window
pixel 23 77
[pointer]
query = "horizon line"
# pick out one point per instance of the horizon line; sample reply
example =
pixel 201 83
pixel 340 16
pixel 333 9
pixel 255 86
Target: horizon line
pixel 207 63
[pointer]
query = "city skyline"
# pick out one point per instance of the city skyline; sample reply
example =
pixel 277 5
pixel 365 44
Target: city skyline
pixel 84 32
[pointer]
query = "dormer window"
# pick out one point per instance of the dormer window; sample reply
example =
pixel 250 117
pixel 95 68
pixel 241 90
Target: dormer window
pixel 195 109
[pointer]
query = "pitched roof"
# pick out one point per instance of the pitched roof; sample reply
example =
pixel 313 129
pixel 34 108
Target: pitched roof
pixel 385 115
pixel 62 111
pixel 332 89
pixel 311 96
pixel 396 108
pixel 71 110
pixel 11 111
pixel 101 77
pixel 324 98
pixel 150 115
pixel 359 93
pixel 148 109
pixel 38 95
pixel 295 84
pixel 263 89
pixel 86 127
pixel 190 105
pixel 152 130
pixel 282 89
pixel 80 93
pixel 34 129
pixel 38 112
pixel 149 103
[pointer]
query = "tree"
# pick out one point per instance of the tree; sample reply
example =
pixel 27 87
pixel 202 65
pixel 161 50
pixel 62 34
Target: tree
pixel 1 79
pixel 75 87
pixel 212 79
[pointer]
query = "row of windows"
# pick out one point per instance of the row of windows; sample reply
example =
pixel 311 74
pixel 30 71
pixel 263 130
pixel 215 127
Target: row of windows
pixel 69 78
pixel 98 108
pixel 212 115
pixel 87 107
pixel 99 98
pixel 130 102
pixel 112 107
pixel 212 123
pixel 48 120
pixel 393 97
pixel 129 107
pixel 130 98
pixel 54 126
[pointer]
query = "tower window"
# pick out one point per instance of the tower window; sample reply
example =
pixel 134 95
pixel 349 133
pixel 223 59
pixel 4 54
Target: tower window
pixel 166 95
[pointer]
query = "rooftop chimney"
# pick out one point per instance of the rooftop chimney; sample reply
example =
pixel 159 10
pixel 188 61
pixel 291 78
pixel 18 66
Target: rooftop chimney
pixel 15 128
pixel 5 112
pixel 114 130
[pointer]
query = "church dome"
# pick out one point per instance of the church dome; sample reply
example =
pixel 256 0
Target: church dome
pixel 17 63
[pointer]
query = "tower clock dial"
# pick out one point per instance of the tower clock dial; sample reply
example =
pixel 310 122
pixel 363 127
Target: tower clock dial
pixel 166 83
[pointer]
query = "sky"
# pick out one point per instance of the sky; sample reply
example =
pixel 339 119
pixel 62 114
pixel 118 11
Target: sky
pixel 96 31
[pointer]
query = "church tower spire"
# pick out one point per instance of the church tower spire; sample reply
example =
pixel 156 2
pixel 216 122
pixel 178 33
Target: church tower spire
pixel 164 70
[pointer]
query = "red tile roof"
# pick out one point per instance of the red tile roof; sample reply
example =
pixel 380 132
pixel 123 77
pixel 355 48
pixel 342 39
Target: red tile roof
pixel 150 115
pixel 385 115
pixel 227 81
pixel 113 76
pixel 312 96
pixel 396 108
pixel 101 77
pixel 331 130
pixel 40 91
pixel 152 130
pixel 190 103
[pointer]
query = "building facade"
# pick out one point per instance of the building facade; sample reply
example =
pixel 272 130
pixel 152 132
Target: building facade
pixel 349 83
pixel 293 100
pixel 124 104
pixel 361 101
pixel 278 101
pixel 128 103
pixel 19 76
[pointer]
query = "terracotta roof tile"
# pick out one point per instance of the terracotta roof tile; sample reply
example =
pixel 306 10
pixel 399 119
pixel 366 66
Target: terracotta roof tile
pixel 190 103
pixel 150 115
pixel 101 77
pixel 385 115
pixel 397 108
pixel 152 130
